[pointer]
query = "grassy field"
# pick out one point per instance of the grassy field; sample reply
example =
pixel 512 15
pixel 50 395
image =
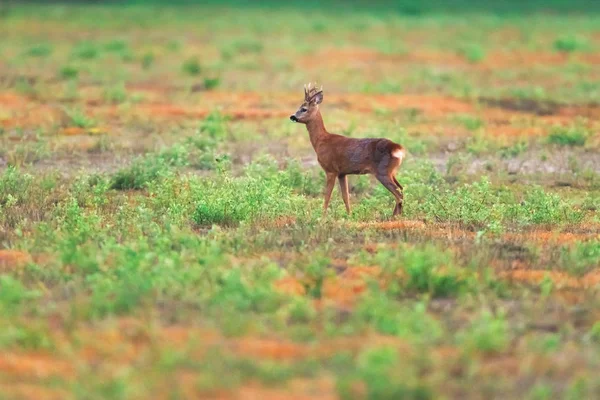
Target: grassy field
pixel 161 225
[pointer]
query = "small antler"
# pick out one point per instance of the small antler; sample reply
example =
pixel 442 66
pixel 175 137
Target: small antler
pixel 311 91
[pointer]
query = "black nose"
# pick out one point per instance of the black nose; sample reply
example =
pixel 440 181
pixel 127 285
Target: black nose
pixel 293 118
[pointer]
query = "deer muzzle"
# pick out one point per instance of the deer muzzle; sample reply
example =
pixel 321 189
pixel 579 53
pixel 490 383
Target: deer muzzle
pixel 293 118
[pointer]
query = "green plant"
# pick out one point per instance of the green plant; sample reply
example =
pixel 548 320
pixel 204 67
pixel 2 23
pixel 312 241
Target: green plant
pixel 69 72
pixel 570 43
pixel 147 60
pixel 472 52
pixel 568 136
pixel 581 257
pixel 470 122
pixel 488 333
pixel 85 50
pixel 539 207
pixel 116 45
pixel 191 66
pixel 39 50
pixel 13 294
pixel 380 369
pixel 116 94
pixel 514 150
pixel 211 83
pixel 78 118
pixel 149 168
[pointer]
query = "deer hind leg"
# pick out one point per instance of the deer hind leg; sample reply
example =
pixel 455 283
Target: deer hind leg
pixel 390 184
pixel 328 189
pixel 401 192
pixel 343 179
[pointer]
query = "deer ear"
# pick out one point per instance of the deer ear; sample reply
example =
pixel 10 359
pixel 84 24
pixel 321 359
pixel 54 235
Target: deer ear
pixel 317 98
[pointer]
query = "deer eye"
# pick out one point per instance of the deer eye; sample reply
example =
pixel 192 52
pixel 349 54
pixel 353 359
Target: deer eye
pixel 303 109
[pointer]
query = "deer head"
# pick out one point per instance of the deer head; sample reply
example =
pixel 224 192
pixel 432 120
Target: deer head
pixel 308 109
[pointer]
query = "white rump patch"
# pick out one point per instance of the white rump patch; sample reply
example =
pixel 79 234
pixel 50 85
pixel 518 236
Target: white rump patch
pixel 398 153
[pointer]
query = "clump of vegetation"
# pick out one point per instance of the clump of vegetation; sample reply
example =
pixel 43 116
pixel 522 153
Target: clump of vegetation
pixel 488 333
pixel 116 94
pixel 116 45
pixel 211 83
pixel 473 53
pixel 147 60
pixel 39 50
pixel 85 50
pixel 470 122
pixel 570 43
pixel 582 257
pixel 242 46
pixel 79 118
pixel 191 66
pixel 149 168
pixel 69 72
pixel 572 136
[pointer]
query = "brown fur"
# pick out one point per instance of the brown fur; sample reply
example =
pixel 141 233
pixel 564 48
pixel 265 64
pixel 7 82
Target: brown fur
pixel 340 156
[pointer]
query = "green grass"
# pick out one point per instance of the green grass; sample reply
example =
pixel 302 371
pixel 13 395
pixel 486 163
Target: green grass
pixel 176 247
pixel 572 136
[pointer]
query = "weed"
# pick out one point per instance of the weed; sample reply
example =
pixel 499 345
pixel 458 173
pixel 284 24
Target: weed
pixel 488 333
pixel 568 136
pixel 116 45
pixel 514 150
pixel 39 50
pixel 69 72
pixel 470 122
pixel 211 83
pixel 379 370
pixel 191 67
pixel 85 50
pixel 78 118
pixel 472 52
pixel 570 43
pixel 581 257
pixel 147 60
pixel 13 294
pixel 149 168
pixel 26 87
pixel 116 94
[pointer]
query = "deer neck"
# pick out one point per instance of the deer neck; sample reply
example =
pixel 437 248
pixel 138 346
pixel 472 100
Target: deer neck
pixel 316 129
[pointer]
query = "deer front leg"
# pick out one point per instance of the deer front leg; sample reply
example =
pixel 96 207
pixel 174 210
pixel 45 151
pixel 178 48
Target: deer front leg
pixel 343 179
pixel 328 189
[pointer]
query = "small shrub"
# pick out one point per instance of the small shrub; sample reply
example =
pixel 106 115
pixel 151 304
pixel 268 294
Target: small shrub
pixel 211 83
pixel 581 257
pixel 78 118
pixel 149 168
pixel 242 199
pixel 13 293
pixel 570 43
pixel 85 51
pixel 191 66
pixel 568 136
pixel 39 50
pixel 387 378
pixel 69 72
pixel 472 52
pixel 488 333
pixel 539 207
pixel 14 186
pixel 147 60
pixel 470 122
pixel 116 45
pixel 514 150
pixel 26 87
pixel 116 94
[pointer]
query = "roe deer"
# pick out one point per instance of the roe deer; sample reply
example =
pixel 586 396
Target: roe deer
pixel 341 156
